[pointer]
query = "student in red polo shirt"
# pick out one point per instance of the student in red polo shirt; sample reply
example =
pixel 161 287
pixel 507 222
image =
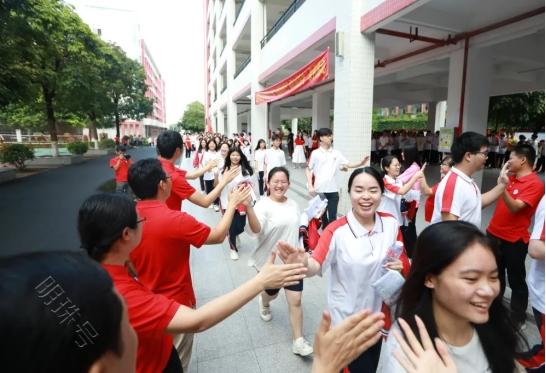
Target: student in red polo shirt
pixel 110 229
pixel 169 148
pixel 510 225
pixel 162 259
pixel 121 163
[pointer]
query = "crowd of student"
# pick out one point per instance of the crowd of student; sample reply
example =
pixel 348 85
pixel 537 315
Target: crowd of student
pixel 397 301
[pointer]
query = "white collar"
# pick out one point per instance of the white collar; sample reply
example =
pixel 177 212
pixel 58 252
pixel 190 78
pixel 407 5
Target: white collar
pixel 358 230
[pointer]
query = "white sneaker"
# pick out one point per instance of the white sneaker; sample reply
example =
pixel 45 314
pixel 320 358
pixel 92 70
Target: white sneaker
pixel 233 255
pixel 265 311
pixel 216 208
pixel 301 347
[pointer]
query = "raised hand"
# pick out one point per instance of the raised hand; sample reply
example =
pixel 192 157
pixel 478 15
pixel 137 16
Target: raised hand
pixel 503 176
pixel 365 160
pixel 422 358
pixel 275 276
pixel 231 174
pixel 211 164
pixel 238 195
pixel 336 347
pixel 291 254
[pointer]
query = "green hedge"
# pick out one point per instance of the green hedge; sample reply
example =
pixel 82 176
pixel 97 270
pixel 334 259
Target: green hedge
pixel 77 147
pixel 17 154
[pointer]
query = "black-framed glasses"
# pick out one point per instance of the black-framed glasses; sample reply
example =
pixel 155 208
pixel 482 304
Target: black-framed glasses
pixel 141 220
pixel 485 154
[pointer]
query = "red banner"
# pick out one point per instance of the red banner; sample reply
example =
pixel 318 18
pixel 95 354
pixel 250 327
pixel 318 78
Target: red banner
pixel 314 72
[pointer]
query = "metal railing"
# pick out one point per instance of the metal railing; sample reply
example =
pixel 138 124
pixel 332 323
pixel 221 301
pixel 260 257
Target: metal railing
pixel 242 67
pixel 239 10
pixel 281 21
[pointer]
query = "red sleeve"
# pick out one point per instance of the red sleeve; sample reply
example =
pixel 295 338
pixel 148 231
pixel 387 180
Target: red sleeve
pixel 149 313
pixel 532 194
pixel 112 162
pixel 181 187
pixel 449 193
pixel 190 230
pixel 323 245
pixel 404 256
pixel 391 187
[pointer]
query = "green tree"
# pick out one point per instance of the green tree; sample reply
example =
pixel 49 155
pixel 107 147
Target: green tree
pixel 523 111
pixel 193 118
pixel 126 88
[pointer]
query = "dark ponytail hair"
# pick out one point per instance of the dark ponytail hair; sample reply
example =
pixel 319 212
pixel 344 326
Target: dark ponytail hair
pixel 101 221
pixel 437 247
pixel 386 162
pixel 366 170
pixel 274 170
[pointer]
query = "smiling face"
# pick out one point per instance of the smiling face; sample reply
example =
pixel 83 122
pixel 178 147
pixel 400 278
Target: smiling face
pixel 212 145
pixel 365 195
pixel 224 149
pixel 278 185
pixel 235 158
pixel 466 288
pixel 393 169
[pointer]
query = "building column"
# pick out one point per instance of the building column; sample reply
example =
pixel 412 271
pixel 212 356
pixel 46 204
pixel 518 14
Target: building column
pixel 353 97
pixel 295 126
pixel 440 120
pixel 258 112
pixel 321 111
pixel 274 117
pixel 431 118
pixel 479 74
pixel 478 88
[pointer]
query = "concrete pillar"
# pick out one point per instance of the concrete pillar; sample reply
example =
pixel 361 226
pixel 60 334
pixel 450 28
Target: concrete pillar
pixel 19 135
pixel 321 110
pixel 478 88
pixel 258 112
pixel 431 118
pixel 295 126
pixel 274 117
pixel 440 115
pixel 230 70
pixel 353 100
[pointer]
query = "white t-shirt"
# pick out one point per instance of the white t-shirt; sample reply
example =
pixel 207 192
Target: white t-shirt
pixel 259 157
pixel 390 200
pixel 355 257
pixel 325 164
pixel 274 158
pixel 535 277
pixel 231 185
pixel 278 221
pixel 207 157
pixel 467 358
pixel 459 195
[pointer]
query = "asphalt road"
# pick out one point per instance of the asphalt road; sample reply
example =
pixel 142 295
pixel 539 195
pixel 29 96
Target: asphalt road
pixel 39 212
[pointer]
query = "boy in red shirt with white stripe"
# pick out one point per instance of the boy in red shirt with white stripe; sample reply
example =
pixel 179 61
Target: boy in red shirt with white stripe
pixel 121 163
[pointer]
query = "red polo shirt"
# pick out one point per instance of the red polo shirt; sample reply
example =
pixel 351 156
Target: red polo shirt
pixel 181 189
pixel 123 170
pixel 162 259
pixel 514 227
pixel 149 315
pixel 429 204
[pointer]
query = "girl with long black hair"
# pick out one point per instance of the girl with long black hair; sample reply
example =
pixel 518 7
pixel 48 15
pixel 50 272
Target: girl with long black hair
pixel 454 288
pixel 236 159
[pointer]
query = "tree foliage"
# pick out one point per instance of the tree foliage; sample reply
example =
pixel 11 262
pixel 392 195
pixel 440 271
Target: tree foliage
pixel 522 111
pixel 193 119
pixel 53 68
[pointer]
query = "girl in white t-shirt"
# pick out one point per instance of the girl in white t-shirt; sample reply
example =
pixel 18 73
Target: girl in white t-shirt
pixel 235 159
pixel 210 155
pixel 454 288
pixel 259 157
pixel 278 218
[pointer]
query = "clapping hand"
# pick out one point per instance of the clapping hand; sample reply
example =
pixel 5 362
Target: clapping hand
pixel 291 254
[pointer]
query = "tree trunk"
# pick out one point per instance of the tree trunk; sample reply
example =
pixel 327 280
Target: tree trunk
pixel 117 125
pixel 50 113
pixel 93 134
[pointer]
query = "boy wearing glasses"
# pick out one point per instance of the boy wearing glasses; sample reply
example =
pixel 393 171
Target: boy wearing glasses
pixel 458 197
